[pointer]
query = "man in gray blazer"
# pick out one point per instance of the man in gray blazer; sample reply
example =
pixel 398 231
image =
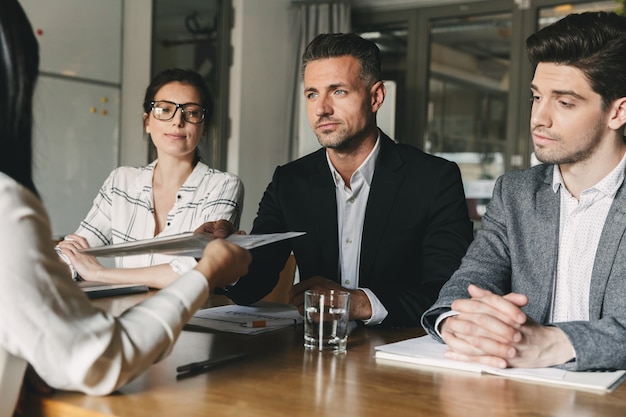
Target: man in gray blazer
pixel 544 282
pixel 385 221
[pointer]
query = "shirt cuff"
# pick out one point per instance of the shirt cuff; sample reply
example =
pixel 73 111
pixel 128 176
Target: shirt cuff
pixel 183 264
pixel 379 312
pixel 442 317
pixel 67 261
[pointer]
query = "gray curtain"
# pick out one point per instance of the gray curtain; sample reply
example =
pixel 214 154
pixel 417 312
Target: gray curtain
pixel 309 19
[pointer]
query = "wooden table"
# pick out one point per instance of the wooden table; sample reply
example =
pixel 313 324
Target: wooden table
pixel 280 378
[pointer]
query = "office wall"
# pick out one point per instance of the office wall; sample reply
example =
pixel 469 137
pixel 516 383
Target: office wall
pixel 94 65
pixel 258 97
pixel 76 103
pixel 136 59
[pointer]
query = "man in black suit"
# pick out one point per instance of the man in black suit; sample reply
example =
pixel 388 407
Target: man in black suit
pixel 386 222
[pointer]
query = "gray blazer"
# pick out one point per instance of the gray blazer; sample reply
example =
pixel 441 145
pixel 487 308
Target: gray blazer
pixel 516 250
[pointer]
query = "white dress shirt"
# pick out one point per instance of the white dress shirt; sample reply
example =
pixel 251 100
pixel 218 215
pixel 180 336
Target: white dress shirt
pixel 351 205
pixel 581 224
pixel 123 211
pixel 49 322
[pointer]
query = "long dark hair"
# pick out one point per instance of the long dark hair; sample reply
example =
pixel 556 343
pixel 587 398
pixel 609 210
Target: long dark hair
pixel 19 65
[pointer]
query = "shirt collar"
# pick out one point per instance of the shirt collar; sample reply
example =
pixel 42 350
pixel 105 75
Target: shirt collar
pixel 607 185
pixel 193 181
pixel 366 169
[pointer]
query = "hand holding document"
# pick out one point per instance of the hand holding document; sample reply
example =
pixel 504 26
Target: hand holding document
pixel 185 244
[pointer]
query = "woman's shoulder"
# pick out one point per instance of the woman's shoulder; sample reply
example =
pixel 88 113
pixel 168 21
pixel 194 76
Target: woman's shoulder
pixel 203 169
pixel 129 171
pixel 17 203
pixel 127 176
pixel 13 192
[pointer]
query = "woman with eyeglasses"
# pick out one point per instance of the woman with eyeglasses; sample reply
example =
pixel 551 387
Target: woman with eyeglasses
pixel 174 194
pixel 47 321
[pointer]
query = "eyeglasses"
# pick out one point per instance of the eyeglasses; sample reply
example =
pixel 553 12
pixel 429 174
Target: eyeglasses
pixel 166 110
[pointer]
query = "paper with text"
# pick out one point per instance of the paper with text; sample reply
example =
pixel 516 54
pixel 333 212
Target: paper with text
pixel 234 318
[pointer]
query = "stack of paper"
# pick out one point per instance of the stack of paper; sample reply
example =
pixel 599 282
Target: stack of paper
pixel 427 351
pixel 258 318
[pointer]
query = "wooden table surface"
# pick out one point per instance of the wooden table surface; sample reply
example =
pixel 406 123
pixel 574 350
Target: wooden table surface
pixel 279 378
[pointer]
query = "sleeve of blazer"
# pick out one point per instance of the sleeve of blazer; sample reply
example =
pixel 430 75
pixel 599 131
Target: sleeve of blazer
pixel 599 344
pixel 269 260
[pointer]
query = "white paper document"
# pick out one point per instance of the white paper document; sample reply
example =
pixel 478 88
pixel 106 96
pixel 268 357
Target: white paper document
pixel 258 318
pixel 427 351
pixel 185 244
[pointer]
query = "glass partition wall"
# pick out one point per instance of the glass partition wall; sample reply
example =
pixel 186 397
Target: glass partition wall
pixel 468 85
pixel 463 81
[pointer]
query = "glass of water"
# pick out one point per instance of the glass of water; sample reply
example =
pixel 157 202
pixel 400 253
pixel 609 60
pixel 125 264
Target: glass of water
pixel 326 320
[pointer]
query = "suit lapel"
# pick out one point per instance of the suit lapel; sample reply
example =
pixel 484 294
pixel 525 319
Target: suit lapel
pixel 384 189
pixel 612 234
pixel 547 215
pixel 323 209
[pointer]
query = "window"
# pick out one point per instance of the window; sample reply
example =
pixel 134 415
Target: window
pixel 463 78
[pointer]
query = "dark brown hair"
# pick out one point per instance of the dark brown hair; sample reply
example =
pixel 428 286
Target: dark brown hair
pixel 333 45
pixel 593 42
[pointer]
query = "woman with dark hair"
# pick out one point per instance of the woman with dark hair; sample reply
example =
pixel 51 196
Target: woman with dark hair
pixel 47 321
pixel 174 194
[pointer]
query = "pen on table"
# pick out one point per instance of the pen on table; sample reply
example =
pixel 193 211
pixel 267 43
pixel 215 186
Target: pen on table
pixel 196 367
pixel 270 323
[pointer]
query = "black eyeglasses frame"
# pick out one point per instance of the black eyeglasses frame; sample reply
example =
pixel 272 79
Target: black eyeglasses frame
pixel 176 107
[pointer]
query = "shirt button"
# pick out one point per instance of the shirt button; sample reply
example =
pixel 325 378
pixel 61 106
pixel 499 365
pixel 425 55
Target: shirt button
pixel 347 282
pixel 351 200
pixel 168 223
pixel 349 241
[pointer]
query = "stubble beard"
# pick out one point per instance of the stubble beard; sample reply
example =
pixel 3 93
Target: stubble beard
pixel 337 140
pixel 341 140
pixel 563 157
pixel 555 158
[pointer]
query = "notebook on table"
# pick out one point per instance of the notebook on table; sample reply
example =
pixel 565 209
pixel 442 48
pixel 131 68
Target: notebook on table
pixel 428 352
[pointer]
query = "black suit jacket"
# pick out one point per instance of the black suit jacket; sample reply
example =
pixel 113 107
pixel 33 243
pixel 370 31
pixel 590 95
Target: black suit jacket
pixel 416 229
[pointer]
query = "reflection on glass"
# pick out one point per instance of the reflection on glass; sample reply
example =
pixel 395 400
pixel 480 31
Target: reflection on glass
pixel 467 105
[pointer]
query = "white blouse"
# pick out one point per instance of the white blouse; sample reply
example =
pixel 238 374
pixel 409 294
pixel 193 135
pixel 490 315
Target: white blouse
pixel 48 321
pixel 123 211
